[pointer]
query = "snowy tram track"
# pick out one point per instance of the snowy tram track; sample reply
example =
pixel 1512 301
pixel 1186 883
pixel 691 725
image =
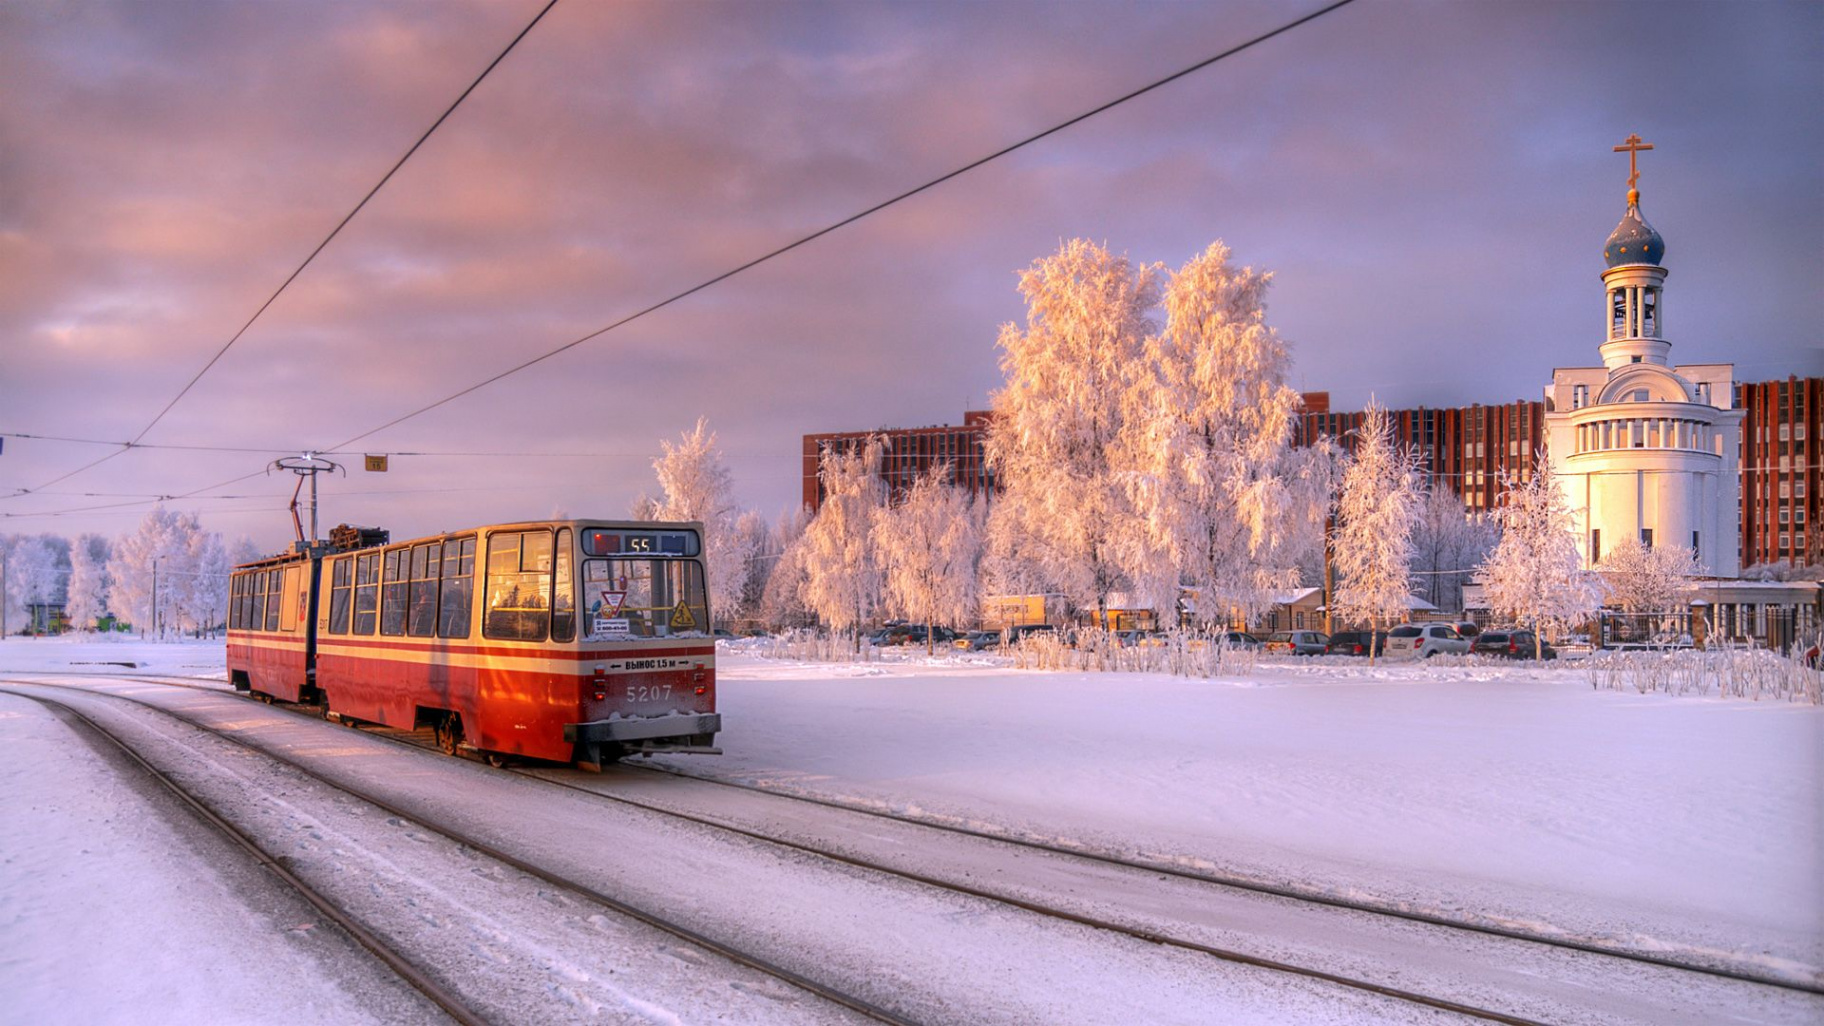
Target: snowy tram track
pixel 1087 852
pixel 421 981
pixel 1149 903
pixel 571 998
pixel 931 953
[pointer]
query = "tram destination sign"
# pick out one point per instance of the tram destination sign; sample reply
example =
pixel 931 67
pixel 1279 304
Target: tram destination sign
pixel 601 542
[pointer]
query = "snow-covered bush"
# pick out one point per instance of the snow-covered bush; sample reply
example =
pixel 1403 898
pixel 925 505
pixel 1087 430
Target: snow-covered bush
pixel 1733 672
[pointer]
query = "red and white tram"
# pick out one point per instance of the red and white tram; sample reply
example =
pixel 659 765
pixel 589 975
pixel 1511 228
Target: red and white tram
pixel 562 640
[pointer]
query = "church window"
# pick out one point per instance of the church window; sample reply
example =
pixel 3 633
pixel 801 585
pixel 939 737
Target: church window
pixel 1596 546
pixel 1641 395
pixel 1650 313
pixel 1646 537
pixel 1694 547
pixel 1618 314
pixel 1633 359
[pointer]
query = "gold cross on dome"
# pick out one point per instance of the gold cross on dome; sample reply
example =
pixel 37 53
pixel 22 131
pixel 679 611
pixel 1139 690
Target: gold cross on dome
pixel 1633 146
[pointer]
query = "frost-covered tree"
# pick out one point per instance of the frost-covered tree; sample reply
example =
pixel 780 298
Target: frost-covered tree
pixel 1448 543
pixel 37 567
pixel 754 536
pixel 644 507
pixel 1535 576
pixel 166 541
pixel 89 580
pixel 782 602
pixel 842 574
pixel 1648 580
pixel 930 548
pixel 1060 424
pixel 1375 511
pixel 205 599
pixel 1224 502
pixel 698 487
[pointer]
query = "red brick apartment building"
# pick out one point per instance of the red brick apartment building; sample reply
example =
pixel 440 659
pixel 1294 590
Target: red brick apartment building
pixel 1467 448
pixel 1780 458
pixel 909 453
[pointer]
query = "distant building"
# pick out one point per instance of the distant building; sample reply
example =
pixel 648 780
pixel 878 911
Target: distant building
pixel 1779 471
pixel 908 453
pixel 1466 448
pixel 1642 448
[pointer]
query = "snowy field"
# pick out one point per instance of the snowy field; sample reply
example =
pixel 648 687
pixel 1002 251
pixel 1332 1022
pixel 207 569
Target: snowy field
pixel 1510 794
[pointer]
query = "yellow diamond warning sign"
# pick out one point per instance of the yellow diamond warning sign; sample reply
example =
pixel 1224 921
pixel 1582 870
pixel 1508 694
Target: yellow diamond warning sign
pixel 681 620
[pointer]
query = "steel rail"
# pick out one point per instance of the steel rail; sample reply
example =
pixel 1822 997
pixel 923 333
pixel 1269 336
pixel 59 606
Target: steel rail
pixel 613 904
pixel 1090 855
pixel 1271 890
pixel 420 980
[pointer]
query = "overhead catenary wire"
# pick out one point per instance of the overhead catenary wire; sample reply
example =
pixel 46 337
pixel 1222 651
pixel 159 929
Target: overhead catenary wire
pixel 782 250
pixel 852 218
pixel 213 360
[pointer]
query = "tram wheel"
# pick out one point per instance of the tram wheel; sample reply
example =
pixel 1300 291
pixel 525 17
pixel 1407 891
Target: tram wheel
pixel 494 759
pixel 449 733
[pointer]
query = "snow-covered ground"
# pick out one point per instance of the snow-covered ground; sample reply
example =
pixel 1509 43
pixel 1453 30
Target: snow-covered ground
pixel 1512 793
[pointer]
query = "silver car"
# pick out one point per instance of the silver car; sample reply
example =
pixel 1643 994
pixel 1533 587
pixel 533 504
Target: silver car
pixel 1424 640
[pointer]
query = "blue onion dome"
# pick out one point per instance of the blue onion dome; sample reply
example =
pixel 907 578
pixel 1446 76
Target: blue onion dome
pixel 1634 241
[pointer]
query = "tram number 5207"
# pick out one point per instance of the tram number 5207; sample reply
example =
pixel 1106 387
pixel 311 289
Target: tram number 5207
pixel 648 692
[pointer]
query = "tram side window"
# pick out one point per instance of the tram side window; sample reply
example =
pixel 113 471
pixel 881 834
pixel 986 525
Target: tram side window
pixel 395 565
pixel 519 586
pixel 341 585
pixel 234 602
pixel 275 592
pixel 563 594
pixel 458 588
pixel 247 600
pixel 427 561
pixel 367 592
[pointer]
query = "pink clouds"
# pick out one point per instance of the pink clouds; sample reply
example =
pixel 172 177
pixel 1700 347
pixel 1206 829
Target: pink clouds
pixel 164 166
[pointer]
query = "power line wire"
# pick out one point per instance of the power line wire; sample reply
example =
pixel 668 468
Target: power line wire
pixel 851 219
pixel 135 442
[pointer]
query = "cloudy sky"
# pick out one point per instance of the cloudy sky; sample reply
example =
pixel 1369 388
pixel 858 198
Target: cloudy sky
pixel 1430 183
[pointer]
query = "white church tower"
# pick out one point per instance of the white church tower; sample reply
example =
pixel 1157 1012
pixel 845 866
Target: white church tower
pixel 1645 449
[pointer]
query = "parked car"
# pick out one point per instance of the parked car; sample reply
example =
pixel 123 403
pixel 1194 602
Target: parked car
pixel 1240 639
pixel 1468 628
pixel 910 634
pixel 1424 640
pixel 1510 645
pixel 1139 639
pixel 1021 631
pixel 1297 642
pixel 1357 643
pixel 976 641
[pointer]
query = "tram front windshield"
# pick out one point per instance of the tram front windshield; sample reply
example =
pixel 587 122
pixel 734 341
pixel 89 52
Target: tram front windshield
pixel 644 598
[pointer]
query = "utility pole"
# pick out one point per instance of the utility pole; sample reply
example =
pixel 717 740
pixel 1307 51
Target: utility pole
pixel 155 560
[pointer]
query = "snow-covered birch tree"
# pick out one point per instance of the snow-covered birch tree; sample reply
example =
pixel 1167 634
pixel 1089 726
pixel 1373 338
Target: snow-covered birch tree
pixel 842 576
pixel 1060 421
pixel 89 580
pixel 1375 511
pixel 1535 576
pixel 698 487
pixel 1448 543
pixel 930 549
pixel 782 603
pixel 1225 503
pixel 1648 580
pixel 164 540
pixel 36 569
